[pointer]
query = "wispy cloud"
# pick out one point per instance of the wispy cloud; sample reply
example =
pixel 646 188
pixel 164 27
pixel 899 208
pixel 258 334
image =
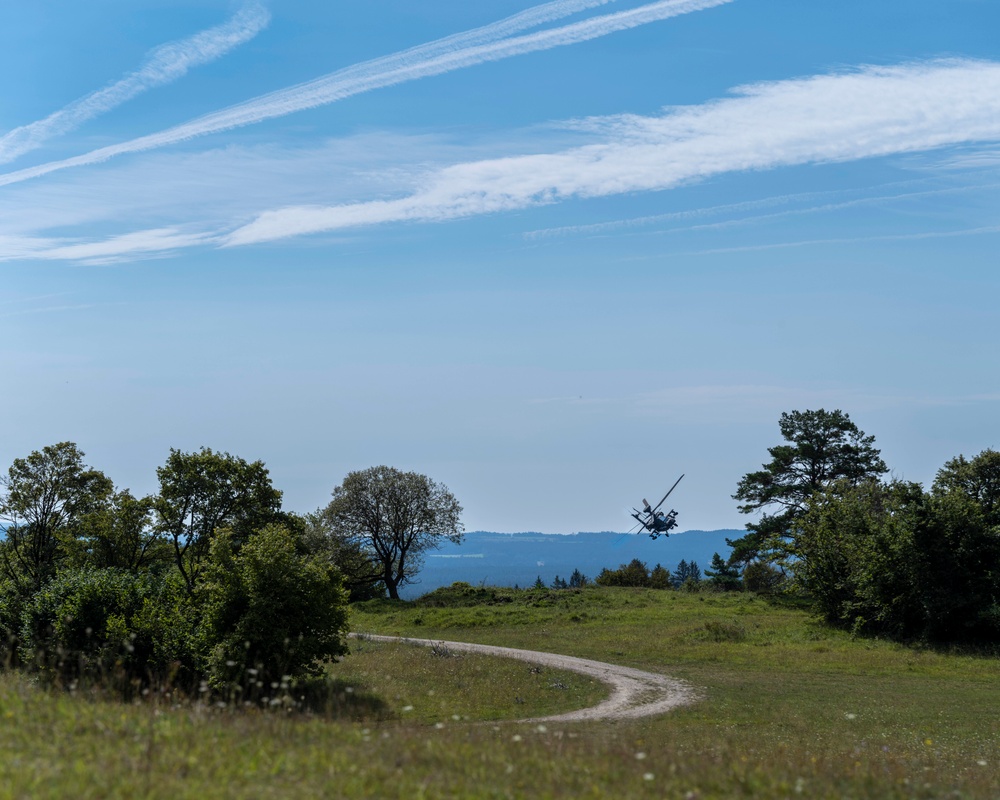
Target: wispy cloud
pixel 163 65
pixel 983 230
pixel 874 111
pixel 825 208
pixel 149 243
pixel 757 205
pixel 489 43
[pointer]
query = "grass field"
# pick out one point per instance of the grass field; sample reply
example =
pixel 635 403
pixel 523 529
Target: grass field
pixel 791 708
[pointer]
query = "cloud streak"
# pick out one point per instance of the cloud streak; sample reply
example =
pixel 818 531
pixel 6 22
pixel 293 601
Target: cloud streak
pixel 152 242
pixel 878 200
pixel 162 65
pixel 874 111
pixel 482 45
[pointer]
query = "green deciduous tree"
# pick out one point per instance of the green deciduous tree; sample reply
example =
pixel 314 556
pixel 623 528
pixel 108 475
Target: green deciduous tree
pixel 659 578
pixel 857 555
pixel 201 492
pixel 958 551
pixel 635 573
pixel 356 561
pixel 397 516
pixel 42 500
pixel 977 479
pixel 895 560
pixel 821 447
pixel 120 535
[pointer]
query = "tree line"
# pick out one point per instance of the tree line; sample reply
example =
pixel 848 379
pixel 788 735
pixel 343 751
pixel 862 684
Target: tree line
pixel 876 555
pixel 206 583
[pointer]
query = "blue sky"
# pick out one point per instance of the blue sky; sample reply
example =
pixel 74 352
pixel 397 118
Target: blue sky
pixel 552 256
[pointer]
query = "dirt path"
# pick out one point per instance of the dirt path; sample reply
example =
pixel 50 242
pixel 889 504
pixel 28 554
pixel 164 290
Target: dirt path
pixel 634 692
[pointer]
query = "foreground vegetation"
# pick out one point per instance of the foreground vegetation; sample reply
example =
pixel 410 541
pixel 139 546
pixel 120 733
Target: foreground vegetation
pixel 790 707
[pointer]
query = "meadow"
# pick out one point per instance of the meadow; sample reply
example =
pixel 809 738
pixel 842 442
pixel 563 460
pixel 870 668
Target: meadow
pixel 790 707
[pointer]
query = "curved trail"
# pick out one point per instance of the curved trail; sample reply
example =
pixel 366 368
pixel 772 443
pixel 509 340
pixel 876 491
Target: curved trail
pixel 634 692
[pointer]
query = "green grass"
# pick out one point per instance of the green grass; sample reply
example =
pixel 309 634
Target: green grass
pixel 791 708
pixel 419 684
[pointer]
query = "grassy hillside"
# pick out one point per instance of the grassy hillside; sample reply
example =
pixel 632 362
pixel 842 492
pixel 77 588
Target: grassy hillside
pixel 790 708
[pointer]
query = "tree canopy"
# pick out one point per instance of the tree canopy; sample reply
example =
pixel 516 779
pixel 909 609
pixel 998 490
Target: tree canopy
pixel 396 517
pixel 204 491
pixel 821 447
pixel 221 586
pixel 42 499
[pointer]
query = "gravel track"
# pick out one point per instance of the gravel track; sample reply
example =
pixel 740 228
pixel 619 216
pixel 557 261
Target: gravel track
pixel 634 692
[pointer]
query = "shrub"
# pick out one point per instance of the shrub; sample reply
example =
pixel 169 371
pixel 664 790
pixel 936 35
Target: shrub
pixel 762 578
pixel 659 578
pixel 462 594
pixel 103 623
pixel 270 612
pixel 635 573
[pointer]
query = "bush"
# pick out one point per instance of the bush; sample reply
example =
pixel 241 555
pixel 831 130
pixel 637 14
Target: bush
pixel 11 604
pixel 103 623
pixel 270 613
pixel 762 578
pixel 462 594
pixel 635 573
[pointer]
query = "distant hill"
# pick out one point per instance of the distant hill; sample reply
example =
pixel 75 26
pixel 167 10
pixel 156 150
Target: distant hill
pixel 509 559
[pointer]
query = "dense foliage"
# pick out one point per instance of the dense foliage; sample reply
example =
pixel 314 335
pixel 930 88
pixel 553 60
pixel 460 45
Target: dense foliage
pixel 208 583
pixel 880 557
pixel 637 574
pixel 894 559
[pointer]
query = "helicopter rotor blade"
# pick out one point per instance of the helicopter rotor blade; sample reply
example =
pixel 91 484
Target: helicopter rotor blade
pixel 668 494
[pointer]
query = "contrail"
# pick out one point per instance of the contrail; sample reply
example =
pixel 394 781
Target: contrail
pixel 163 64
pixel 435 58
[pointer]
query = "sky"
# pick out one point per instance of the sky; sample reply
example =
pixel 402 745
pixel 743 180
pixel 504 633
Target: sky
pixel 552 256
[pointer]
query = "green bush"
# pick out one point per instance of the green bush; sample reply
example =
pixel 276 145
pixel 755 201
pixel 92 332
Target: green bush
pixel 635 574
pixel 270 613
pixel 461 594
pixel 10 622
pixel 103 623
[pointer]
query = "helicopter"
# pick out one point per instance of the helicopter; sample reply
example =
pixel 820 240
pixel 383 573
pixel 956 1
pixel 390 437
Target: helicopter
pixel 655 521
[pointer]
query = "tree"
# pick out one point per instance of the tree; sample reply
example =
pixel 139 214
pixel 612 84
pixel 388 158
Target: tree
pixel 201 492
pixel 957 550
pixel 659 577
pixel 397 516
pixel 722 575
pixel 42 499
pixel 578 580
pixel 635 573
pixel 120 535
pixel 893 559
pixel 356 562
pixel 857 556
pixel 686 574
pixel 978 480
pixel 822 447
